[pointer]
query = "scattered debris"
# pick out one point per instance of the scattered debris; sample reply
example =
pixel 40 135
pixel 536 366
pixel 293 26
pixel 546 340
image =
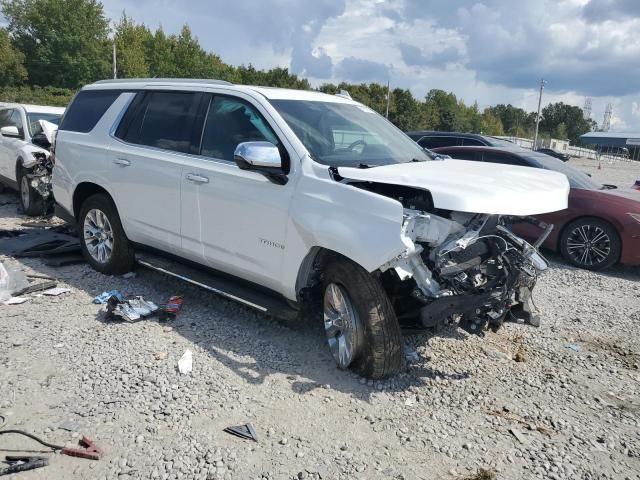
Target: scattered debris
pixel 410 355
pixel 15 301
pixel 64 259
pixel 22 464
pixel 185 364
pixel 129 275
pixel 70 426
pixel 39 287
pixel 55 292
pixel 481 474
pixel 575 347
pixel 130 310
pixel 11 281
pixel 171 308
pixel 35 243
pixel 88 450
pixel 105 296
pixel 519 435
pixel 245 431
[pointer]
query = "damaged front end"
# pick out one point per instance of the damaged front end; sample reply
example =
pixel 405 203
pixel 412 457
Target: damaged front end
pixel 39 168
pixel 465 268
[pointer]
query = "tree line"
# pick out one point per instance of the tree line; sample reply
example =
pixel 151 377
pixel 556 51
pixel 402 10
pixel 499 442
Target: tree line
pixel 50 48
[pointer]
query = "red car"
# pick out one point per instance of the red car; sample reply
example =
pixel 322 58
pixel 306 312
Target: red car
pixel 602 224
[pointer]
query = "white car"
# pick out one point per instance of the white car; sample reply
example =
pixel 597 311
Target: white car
pixel 311 198
pixel 25 137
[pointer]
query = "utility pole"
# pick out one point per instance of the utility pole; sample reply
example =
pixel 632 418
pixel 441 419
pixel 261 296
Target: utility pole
pixel 115 70
pixel 388 96
pixel 535 138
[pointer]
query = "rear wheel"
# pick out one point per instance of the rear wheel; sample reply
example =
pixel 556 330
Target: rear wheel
pixel 31 201
pixel 102 238
pixel 590 243
pixel 361 327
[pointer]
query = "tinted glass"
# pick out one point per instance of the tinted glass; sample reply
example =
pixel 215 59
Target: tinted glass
pixel 436 142
pixel 231 121
pixel 345 134
pixel 16 120
pixel 472 142
pixel 87 109
pixel 5 117
pixel 503 158
pixel 460 154
pixel 577 179
pixel 168 120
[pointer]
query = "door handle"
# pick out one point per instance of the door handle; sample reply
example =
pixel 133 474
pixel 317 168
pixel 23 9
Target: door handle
pixel 123 162
pixel 192 177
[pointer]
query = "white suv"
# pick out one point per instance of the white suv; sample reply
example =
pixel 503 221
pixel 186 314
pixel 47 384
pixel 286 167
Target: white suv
pixel 313 198
pixel 24 153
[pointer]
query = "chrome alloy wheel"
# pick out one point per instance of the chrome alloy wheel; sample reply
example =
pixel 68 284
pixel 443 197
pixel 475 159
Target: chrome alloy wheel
pixel 98 235
pixel 24 192
pixel 342 326
pixel 589 245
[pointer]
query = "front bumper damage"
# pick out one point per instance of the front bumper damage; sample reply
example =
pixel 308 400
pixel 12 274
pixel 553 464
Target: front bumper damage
pixel 39 168
pixel 468 268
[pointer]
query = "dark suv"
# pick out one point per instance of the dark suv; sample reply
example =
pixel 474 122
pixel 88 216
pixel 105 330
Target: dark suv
pixel 429 139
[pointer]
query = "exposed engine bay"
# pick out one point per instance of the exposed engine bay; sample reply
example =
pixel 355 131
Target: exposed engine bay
pixel 36 159
pixel 462 267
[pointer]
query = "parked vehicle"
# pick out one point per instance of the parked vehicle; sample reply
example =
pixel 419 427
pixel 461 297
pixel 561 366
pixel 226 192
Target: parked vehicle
pixel 25 137
pixel 636 185
pixel 602 224
pixel 431 139
pixel 313 199
pixel 554 153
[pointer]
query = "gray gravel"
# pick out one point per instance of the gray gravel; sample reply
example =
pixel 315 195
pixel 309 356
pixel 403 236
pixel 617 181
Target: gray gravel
pixel 463 404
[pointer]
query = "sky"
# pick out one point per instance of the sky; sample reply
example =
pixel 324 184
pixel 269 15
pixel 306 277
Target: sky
pixel 489 51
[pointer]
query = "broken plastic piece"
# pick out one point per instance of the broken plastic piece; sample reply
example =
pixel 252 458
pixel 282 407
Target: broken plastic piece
pixel 575 347
pixel 243 431
pixel 132 309
pixel 22 464
pixel 185 364
pixel 171 308
pixel 11 281
pixel 54 292
pixel 105 296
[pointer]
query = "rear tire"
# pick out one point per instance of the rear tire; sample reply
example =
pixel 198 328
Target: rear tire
pixel 31 202
pixel 102 238
pixel 375 339
pixel 590 243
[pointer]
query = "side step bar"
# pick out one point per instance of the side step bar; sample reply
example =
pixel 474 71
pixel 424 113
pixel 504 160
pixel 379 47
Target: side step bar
pixel 236 290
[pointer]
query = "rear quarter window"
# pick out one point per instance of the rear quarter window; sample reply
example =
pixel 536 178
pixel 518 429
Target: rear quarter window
pixel 87 109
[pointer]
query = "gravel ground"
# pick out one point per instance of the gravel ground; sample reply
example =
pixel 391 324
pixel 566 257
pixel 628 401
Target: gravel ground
pixel 561 401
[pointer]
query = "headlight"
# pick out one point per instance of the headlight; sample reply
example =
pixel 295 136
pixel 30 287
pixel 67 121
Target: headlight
pixel 635 216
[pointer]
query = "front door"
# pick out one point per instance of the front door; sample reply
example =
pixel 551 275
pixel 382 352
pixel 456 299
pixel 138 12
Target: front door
pixel 235 220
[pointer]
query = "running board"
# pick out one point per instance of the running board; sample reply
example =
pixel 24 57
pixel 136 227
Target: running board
pixel 219 284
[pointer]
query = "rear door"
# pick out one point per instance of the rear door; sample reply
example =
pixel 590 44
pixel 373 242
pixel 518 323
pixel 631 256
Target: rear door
pixel 235 220
pixel 5 119
pixel 158 132
pixel 10 146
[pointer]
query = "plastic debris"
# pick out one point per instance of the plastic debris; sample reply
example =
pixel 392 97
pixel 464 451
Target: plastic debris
pixel 105 296
pixel 171 308
pixel 129 275
pixel 575 347
pixel 243 431
pixel 410 355
pixel 11 281
pixel 130 310
pixel 15 301
pixel 185 364
pixel 54 292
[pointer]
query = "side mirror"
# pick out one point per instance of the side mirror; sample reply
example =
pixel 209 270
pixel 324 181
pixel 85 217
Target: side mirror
pixel 41 140
pixel 261 157
pixel 11 132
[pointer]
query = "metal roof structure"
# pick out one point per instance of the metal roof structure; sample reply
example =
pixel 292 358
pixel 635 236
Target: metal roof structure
pixel 612 139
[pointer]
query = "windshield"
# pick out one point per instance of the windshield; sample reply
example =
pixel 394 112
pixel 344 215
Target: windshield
pixel 577 179
pixel 343 134
pixel 33 117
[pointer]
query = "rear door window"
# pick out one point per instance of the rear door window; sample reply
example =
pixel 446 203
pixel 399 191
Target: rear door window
pixel 435 142
pixel 87 109
pixel 462 154
pixel 166 120
pixel 503 158
pixel 472 142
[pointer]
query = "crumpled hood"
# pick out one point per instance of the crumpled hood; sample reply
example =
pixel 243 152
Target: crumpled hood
pixel 475 187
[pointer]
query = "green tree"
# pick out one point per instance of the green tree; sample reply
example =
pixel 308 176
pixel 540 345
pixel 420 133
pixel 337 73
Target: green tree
pixel 567 120
pixel 516 121
pixel 491 124
pixel 12 71
pixel 65 42
pixel 131 41
pixel 159 55
pixel 405 110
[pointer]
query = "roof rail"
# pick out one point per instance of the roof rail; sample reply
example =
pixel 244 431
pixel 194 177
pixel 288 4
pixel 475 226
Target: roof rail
pixel 163 80
pixel 344 94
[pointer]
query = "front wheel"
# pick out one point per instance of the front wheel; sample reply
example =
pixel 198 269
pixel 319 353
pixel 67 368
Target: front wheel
pixel 31 201
pixel 362 330
pixel 102 238
pixel 590 243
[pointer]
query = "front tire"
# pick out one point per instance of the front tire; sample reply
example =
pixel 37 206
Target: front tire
pixel 590 243
pixel 361 327
pixel 102 238
pixel 31 202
